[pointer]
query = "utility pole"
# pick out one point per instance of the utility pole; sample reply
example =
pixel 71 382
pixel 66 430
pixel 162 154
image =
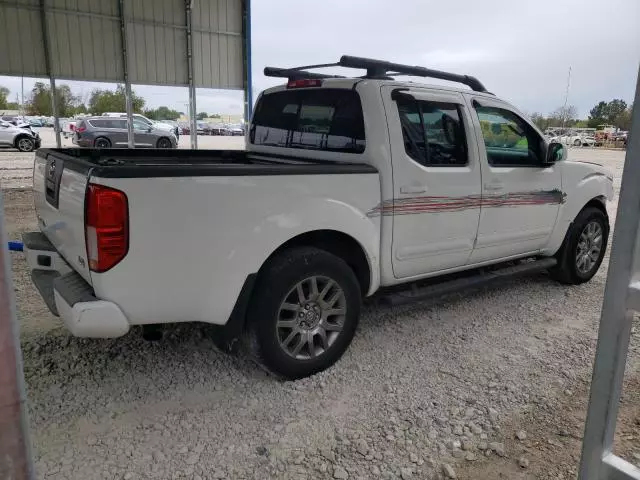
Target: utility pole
pixel 566 98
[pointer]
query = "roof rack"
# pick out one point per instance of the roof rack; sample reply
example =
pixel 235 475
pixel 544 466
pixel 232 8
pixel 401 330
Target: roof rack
pixel 378 69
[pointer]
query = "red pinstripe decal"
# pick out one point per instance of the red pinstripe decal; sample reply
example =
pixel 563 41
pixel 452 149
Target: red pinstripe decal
pixel 428 204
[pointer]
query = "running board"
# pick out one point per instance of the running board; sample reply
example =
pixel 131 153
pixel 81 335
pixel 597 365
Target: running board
pixel 481 279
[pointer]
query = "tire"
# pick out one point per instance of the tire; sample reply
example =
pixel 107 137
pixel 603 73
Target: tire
pixel 102 142
pixel 577 142
pixel 25 144
pixel 572 267
pixel 164 142
pixel 273 342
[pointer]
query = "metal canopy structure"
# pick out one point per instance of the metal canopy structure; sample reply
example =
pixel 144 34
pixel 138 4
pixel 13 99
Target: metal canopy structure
pixel 621 301
pixel 192 43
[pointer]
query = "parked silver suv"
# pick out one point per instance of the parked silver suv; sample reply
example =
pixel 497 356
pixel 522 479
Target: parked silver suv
pixel 110 132
pixel 24 139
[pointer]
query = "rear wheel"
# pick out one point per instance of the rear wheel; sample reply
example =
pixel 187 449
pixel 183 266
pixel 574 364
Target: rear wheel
pixel 304 312
pixel 584 247
pixel 577 142
pixel 164 142
pixel 102 142
pixel 25 144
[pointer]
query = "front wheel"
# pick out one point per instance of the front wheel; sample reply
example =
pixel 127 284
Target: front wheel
pixel 25 144
pixel 577 142
pixel 304 312
pixel 584 247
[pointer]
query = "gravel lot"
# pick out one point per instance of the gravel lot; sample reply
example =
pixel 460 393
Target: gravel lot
pixel 489 384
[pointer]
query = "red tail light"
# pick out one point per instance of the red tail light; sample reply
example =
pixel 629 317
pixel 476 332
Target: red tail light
pixel 304 82
pixel 78 129
pixel 107 227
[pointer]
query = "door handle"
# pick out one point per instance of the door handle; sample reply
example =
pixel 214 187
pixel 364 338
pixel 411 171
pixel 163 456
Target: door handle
pixel 413 189
pixel 493 187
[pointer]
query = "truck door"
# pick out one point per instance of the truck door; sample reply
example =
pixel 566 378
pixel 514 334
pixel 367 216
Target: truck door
pixel 520 195
pixel 436 180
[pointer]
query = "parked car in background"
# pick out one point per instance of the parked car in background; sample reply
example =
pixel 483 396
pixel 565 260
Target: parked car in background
pixel 185 128
pixel 67 127
pixel 24 139
pixel 203 128
pixel 147 121
pixel 111 132
pixel 13 119
pixel 575 140
pixel 218 129
pixel 235 130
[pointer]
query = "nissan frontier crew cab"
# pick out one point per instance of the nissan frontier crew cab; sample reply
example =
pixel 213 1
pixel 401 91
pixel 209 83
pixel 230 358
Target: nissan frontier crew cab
pixel 349 187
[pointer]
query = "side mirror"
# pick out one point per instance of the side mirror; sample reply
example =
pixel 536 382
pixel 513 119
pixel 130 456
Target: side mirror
pixel 555 153
pixel 149 130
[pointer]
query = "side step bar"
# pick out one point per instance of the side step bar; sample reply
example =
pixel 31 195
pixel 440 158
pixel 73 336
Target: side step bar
pixel 480 279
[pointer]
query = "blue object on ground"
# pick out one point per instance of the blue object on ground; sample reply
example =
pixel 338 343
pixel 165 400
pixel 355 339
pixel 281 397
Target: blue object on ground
pixel 16 246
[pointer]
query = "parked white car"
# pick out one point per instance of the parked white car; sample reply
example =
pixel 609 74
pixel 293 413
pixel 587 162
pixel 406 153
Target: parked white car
pixel 575 140
pixel 21 137
pixel 350 187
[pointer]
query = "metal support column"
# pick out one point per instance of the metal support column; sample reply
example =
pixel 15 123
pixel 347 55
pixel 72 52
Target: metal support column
pixel 125 74
pixel 193 126
pixel 47 62
pixel 15 450
pixel 621 300
pixel 246 43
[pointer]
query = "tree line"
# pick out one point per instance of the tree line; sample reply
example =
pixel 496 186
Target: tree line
pixel 616 113
pixel 99 102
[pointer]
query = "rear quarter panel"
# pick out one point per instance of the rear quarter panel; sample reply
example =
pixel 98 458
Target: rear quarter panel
pixel 194 240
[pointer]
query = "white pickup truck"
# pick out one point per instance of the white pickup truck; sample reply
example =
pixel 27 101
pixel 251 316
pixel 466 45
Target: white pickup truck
pixel 349 187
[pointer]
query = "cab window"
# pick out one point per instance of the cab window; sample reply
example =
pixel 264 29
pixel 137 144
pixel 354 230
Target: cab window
pixel 433 132
pixel 508 139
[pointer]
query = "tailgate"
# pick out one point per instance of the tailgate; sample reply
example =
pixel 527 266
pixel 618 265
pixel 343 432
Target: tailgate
pixel 59 186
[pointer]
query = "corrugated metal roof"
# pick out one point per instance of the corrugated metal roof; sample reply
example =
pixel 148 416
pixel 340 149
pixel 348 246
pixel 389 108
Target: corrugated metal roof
pixel 86 41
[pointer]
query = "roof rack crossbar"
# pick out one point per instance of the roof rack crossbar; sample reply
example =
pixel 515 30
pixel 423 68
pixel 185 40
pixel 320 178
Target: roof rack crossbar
pixel 375 69
pixel 383 66
pixel 295 73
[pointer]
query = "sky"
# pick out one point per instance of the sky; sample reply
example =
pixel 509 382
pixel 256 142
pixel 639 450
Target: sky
pixel 521 50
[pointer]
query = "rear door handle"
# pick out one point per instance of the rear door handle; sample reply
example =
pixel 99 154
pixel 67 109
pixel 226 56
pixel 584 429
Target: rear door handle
pixel 493 187
pixel 413 189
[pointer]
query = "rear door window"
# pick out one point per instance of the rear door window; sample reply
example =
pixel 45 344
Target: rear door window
pixel 319 119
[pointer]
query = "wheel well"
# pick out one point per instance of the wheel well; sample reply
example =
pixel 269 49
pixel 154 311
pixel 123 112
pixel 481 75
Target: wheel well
pixel 599 203
pixel 18 137
pixel 340 245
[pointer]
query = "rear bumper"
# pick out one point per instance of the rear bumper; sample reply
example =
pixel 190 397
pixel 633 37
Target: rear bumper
pixel 68 295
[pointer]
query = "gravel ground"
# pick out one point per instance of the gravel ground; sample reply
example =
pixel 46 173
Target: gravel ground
pixel 489 384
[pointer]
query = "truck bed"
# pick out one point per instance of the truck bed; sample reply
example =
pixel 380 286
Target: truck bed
pixel 140 163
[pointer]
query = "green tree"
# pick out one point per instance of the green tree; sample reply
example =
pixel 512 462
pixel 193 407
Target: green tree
pixel 81 109
pixel 616 108
pixel 4 94
pixel 40 101
pixel 202 115
pixel 607 112
pixel 102 101
pixel 623 120
pixel 162 113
